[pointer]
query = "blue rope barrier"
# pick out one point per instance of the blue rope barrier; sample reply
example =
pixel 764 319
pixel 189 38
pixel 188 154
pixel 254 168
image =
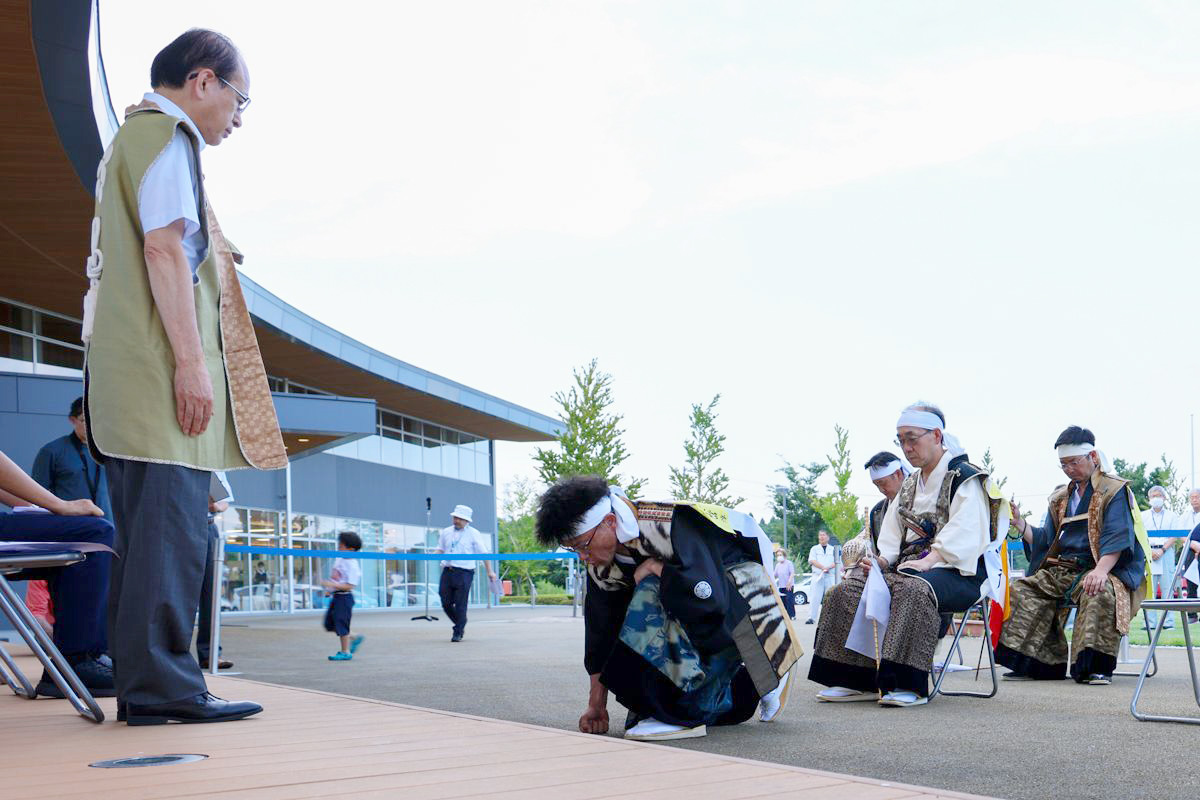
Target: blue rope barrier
pixel 284 551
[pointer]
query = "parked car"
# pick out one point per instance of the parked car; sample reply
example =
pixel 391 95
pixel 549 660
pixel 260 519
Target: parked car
pixel 803 588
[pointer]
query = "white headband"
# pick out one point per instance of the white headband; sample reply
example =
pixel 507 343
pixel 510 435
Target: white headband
pixel 611 503
pixel 886 469
pixel 912 418
pixel 1072 450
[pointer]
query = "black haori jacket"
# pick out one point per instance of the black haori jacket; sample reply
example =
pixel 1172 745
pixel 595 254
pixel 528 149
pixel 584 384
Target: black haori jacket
pixel 714 583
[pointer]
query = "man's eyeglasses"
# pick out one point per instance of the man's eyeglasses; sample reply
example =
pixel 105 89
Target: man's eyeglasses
pixel 909 441
pixel 1067 463
pixel 582 548
pixel 243 99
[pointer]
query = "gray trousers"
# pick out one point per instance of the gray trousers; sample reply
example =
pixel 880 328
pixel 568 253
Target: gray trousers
pixel 161 512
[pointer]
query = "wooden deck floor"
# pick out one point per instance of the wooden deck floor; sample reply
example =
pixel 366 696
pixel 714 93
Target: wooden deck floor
pixel 314 745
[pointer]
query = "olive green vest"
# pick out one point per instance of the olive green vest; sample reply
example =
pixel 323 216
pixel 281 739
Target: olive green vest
pixel 129 364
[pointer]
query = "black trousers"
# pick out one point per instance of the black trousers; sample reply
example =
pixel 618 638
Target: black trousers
pixel 204 626
pixel 79 591
pixel 455 591
pixel 161 512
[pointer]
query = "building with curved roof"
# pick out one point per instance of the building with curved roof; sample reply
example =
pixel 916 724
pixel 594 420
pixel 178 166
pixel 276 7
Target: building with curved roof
pixel 371 437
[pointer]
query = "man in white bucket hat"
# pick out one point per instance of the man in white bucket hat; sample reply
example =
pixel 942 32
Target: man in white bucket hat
pixel 458 574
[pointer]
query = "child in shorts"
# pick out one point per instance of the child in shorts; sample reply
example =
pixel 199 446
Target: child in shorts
pixel 343 577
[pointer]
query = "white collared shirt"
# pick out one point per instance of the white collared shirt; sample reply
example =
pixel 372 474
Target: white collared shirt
pixel 169 188
pixel 963 538
pixel 452 541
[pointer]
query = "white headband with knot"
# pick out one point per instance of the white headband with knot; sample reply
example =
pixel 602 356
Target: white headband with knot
pixel 886 469
pixel 611 503
pixel 912 418
pixel 1074 450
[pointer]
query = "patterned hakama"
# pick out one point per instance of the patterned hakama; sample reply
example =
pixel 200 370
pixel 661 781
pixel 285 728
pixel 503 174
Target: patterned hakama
pixel 655 671
pixel 1034 641
pixel 907 647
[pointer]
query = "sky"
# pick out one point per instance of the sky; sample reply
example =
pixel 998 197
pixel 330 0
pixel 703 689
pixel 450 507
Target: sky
pixel 821 211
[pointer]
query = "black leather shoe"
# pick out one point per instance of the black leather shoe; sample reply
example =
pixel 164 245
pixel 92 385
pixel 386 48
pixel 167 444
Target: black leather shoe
pixel 456 637
pixel 201 708
pixel 94 675
pixel 121 712
pixel 221 664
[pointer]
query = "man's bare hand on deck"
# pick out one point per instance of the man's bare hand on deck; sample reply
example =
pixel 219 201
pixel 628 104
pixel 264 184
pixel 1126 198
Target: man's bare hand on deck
pixel 594 720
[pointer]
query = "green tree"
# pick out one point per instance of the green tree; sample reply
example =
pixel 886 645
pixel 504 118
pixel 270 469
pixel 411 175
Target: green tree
pixel 839 508
pixel 699 479
pixel 796 498
pixel 591 442
pixel 1164 475
pixel 515 529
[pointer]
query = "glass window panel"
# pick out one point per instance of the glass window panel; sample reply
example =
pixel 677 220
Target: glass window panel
pixel 62 330
pixel 432 460
pixel 16 317
pixel 432 433
pixel 413 454
pixel 369 448
pixel 58 356
pixel 466 464
pixel 393 451
pixel 483 468
pixel 411 426
pixel 14 345
pixel 449 436
pixel 449 460
pixel 389 419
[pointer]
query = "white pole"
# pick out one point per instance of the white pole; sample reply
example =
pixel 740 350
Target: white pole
pixel 287 522
pixel 1193 421
pixel 214 636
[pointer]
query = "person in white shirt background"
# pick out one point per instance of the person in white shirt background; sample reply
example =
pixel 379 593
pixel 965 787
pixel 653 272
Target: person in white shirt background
pixel 459 573
pixel 822 559
pixel 1160 517
pixel 1191 519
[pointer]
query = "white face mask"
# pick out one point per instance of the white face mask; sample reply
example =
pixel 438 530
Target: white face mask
pixel 1156 502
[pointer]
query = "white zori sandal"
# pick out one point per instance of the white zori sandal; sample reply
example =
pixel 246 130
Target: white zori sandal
pixel 840 694
pixel 774 701
pixel 902 699
pixel 651 730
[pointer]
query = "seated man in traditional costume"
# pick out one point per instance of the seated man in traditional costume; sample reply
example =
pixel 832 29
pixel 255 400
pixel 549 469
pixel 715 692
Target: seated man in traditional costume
pixel 1088 551
pixel 930 549
pixel 682 621
pixel 887 473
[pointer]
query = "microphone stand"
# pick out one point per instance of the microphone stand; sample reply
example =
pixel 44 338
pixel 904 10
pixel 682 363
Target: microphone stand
pixel 425 571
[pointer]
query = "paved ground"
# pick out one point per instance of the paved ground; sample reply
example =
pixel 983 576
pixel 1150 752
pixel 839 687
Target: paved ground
pixel 1031 741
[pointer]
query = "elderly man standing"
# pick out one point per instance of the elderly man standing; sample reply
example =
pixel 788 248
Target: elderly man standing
pixel 1088 552
pixel 1160 517
pixel 931 546
pixel 174 382
pixel 459 573
pixel 823 563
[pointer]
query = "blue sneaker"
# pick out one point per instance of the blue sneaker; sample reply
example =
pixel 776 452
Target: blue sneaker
pixel 341 655
pixel 354 643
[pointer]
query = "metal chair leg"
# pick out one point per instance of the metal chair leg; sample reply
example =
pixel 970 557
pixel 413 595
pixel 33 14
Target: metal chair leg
pixel 15 679
pixel 1141 682
pixel 1153 655
pixel 981 608
pixel 52 660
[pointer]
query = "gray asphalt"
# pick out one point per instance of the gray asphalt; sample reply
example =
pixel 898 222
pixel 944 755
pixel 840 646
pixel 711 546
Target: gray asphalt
pixel 1031 741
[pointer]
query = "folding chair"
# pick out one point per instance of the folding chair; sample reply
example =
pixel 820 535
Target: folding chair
pixel 36 638
pixel 980 607
pixel 1184 605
